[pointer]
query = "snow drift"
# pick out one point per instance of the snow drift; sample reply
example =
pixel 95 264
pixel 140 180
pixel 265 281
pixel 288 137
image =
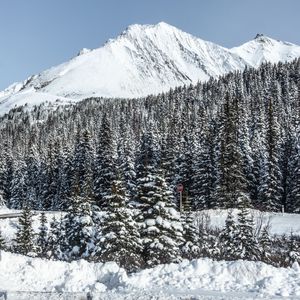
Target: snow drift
pixel 197 277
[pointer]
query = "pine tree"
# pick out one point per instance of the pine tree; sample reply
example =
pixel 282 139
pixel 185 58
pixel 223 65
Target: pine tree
pixel 32 177
pixel 203 176
pixel 55 237
pixel 79 229
pixel 265 244
pixel 293 250
pixel 120 240
pixel 6 174
pixel 227 239
pixel 82 177
pixel 126 167
pixel 245 240
pixel 42 239
pixel 105 167
pixel 293 195
pixel 67 171
pixel 52 172
pixel 270 191
pixel 190 248
pixel 18 187
pixel 24 241
pixel 2 242
pixel 161 229
pixel 232 186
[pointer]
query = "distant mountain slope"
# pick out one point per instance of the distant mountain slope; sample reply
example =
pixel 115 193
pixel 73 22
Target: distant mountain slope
pixel 144 59
pixel 264 49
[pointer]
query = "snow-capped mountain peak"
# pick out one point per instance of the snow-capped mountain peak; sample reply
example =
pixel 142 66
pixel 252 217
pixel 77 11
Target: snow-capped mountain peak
pixel 142 60
pixel 265 49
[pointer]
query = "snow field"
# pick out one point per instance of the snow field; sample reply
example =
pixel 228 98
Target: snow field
pixel 280 223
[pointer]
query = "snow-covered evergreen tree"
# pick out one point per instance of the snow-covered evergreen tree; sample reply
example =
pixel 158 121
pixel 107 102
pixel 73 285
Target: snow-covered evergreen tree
pixel 55 239
pixel 191 247
pixel 293 194
pixel 24 241
pixel 227 239
pixel 42 238
pixel 2 242
pixel 120 241
pixel 104 172
pixel 265 245
pixel 79 229
pixel 270 191
pixel 232 186
pixel 161 230
pixel 245 240
pixel 82 175
pixel 293 249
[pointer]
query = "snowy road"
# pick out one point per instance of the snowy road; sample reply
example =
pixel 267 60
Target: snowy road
pixel 10 216
pixel 166 294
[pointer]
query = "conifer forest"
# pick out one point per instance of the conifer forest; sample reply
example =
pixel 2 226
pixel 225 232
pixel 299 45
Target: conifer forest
pixel 111 166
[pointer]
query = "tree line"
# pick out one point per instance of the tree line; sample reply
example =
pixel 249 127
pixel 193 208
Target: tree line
pixel 227 141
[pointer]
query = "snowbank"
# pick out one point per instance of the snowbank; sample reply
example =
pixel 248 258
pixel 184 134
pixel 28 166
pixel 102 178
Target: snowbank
pixel 198 277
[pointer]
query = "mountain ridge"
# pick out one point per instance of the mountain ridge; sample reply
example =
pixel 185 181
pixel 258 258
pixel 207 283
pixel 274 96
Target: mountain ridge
pixel 142 60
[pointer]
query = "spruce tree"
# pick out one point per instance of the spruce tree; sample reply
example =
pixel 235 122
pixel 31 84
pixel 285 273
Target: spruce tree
pixel 227 238
pixel 55 237
pixel 104 172
pixel 82 177
pixel 265 245
pixel 245 239
pixel 293 249
pixel 120 241
pixel 191 246
pixel 232 186
pixel 2 242
pixel 42 238
pixel 79 227
pixel 203 172
pixel 293 195
pixel 24 241
pixel 270 191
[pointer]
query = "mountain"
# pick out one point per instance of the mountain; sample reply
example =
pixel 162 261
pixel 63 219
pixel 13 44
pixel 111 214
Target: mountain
pixel 143 60
pixel 265 49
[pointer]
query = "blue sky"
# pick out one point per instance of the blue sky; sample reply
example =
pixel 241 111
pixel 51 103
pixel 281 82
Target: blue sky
pixel 38 34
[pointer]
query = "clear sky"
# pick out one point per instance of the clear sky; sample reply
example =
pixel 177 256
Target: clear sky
pixel 38 34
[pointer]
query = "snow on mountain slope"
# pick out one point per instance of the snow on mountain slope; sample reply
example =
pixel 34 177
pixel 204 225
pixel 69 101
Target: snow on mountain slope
pixel 143 60
pixel 264 49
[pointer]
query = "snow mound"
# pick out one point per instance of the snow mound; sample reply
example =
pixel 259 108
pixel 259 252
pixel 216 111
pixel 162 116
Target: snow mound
pixel 197 277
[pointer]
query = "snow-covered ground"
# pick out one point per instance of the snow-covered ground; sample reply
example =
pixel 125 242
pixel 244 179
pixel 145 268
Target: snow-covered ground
pixel 187 280
pixel 8 226
pixel 24 277
pixel 280 223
